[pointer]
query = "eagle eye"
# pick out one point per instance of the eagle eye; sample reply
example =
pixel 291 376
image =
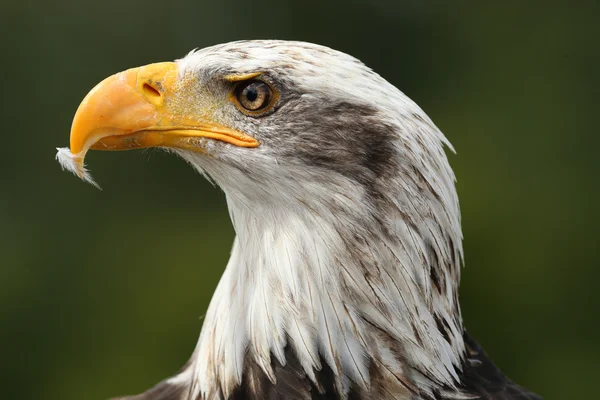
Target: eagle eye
pixel 253 96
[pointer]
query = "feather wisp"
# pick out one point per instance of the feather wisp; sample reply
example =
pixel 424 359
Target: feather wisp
pixel 74 163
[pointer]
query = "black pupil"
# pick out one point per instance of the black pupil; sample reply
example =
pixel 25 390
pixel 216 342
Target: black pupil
pixel 251 93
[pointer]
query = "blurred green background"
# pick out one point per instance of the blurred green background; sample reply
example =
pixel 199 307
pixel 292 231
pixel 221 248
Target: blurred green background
pixel 102 292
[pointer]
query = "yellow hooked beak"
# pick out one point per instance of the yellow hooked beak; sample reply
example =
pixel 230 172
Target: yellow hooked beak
pixel 133 109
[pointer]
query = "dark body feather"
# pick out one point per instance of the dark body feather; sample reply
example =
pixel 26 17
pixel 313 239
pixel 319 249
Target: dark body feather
pixel 480 378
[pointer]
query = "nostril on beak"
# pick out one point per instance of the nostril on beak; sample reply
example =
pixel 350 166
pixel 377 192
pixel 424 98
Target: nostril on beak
pixel 152 94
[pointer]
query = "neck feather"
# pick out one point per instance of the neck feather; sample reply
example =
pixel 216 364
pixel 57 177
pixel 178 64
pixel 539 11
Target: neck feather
pixel 351 292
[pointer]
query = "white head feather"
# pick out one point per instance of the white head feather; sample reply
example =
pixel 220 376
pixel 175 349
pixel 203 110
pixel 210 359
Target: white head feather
pixel 317 267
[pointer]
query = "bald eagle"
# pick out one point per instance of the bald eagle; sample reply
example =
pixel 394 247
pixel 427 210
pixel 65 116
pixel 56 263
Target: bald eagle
pixel 344 273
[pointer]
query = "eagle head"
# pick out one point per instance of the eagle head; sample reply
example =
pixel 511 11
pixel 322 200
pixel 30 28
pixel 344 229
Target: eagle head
pixel 348 241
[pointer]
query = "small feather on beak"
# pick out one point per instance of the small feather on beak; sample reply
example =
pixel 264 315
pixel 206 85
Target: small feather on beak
pixel 74 163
